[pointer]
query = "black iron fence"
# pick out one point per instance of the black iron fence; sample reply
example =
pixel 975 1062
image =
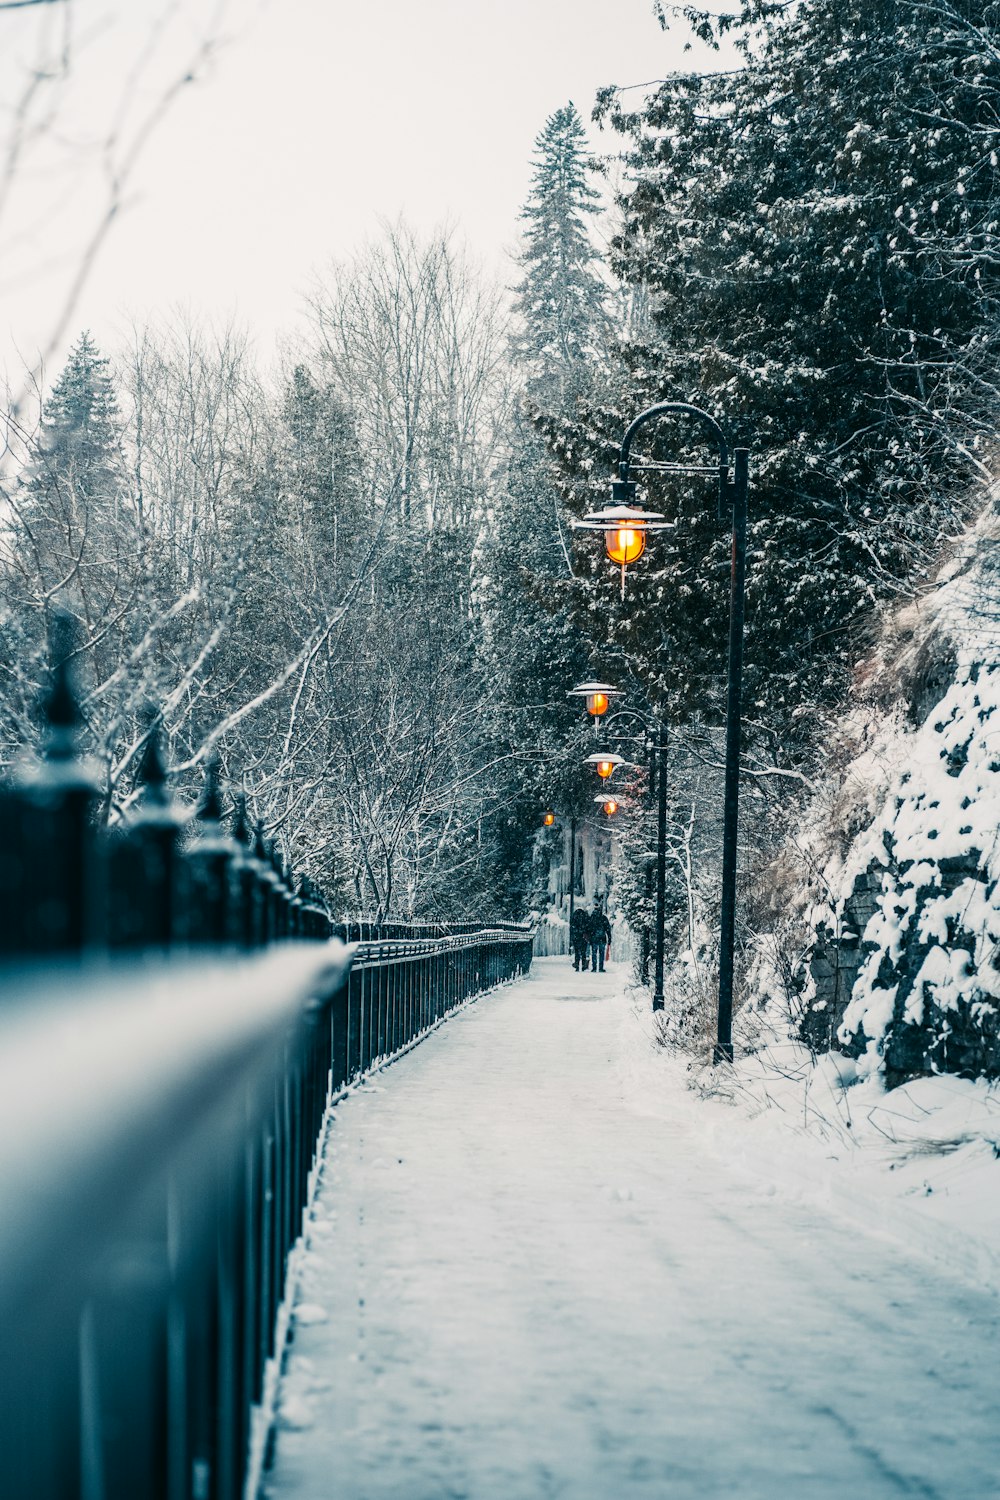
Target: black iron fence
pixel 162 1097
pixel 159 878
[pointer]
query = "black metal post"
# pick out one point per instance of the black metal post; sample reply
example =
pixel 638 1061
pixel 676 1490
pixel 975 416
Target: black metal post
pixel 661 863
pixel 572 879
pixel 731 814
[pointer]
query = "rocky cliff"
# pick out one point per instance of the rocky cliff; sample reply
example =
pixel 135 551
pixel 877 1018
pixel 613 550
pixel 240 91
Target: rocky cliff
pixel 902 971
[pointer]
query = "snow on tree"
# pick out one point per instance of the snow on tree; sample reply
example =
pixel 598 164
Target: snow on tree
pixel 813 235
pixel 74 489
pixel 560 300
pixel 792 222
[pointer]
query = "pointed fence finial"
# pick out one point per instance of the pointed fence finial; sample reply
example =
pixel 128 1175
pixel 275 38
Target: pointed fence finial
pixel 210 805
pixel 241 827
pixel 152 770
pixel 60 705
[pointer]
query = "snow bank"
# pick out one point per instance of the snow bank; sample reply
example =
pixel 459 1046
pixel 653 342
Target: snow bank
pixel 919 1163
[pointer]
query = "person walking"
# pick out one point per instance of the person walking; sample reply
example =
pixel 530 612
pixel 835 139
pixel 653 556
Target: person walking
pixel 579 937
pixel 598 936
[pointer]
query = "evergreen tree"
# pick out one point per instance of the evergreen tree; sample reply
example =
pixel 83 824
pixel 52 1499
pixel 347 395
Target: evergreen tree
pixel 560 299
pixel 531 636
pixel 322 474
pixel 72 511
pixel 796 223
pixel 81 423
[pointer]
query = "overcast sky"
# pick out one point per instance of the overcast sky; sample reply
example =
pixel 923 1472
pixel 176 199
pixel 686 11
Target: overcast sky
pixel 311 120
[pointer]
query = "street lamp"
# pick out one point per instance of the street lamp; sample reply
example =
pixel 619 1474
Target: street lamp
pixel 548 819
pixel 658 734
pixel 604 763
pixel 598 696
pixel 625 528
pixel 623 517
pixel 609 805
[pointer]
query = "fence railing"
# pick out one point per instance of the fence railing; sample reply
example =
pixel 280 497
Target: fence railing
pixel 162 1096
pixel 160 878
pixel 158 1126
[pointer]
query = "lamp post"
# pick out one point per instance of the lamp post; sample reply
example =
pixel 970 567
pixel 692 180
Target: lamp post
pixel 658 732
pixel 625 527
pixel 572 876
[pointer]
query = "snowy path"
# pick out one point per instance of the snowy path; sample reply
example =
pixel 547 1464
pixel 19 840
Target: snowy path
pixel 519 1286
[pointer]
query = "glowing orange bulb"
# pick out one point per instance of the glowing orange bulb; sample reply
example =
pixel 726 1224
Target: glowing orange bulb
pixel 605 767
pixel 549 819
pixel 625 544
pixel 597 704
pixel 611 806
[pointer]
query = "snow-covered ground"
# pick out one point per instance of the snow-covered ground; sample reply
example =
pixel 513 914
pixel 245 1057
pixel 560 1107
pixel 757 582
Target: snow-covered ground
pixel 540 1265
pixel 919 1163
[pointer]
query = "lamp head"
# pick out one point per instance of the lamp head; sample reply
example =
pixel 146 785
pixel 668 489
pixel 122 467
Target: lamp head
pixel 597 694
pixel 604 763
pixel 625 526
pixel 626 542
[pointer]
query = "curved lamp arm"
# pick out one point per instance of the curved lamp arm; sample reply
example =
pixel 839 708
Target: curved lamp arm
pixel 623 488
pixel 651 727
pixel 663 408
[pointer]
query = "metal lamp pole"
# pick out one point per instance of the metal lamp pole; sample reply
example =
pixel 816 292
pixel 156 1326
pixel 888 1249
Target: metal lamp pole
pixel 572 877
pixel 661 864
pixel 658 733
pixel 629 525
pixel 737 493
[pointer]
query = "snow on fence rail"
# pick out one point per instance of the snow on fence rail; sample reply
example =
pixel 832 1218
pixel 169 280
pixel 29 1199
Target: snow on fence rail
pixel 162 1095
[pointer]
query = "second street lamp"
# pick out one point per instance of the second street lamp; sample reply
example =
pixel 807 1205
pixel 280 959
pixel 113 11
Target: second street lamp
pixel 598 696
pixel 625 527
pixel 658 733
pixel 605 763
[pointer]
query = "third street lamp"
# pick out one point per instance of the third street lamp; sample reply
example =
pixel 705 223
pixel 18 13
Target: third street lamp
pixel 625 527
pixel 657 735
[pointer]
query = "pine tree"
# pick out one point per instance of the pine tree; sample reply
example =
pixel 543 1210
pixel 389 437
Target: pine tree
pixel 531 636
pixel 796 223
pixel 72 510
pixel 322 475
pixel 560 299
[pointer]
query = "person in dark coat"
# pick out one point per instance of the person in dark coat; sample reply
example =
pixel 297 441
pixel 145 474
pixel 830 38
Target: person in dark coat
pixel 598 936
pixel 579 937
